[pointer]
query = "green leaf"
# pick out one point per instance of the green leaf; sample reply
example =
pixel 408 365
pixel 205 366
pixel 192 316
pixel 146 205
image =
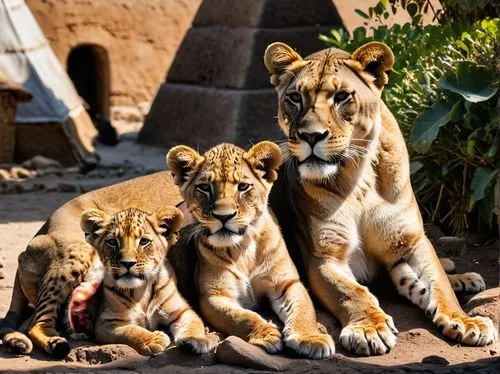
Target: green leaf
pixel 426 126
pixel 412 9
pixel 474 82
pixel 480 182
pixel 462 45
pixel 471 148
pixel 384 3
pixel 362 14
pixel 415 166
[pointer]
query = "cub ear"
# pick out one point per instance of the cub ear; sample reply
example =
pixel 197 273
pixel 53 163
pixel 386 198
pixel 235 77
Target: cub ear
pixel 92 221
pixel 376 59
pixel 169 221
pixel 181 160
pixel 267 157
pixel 277 58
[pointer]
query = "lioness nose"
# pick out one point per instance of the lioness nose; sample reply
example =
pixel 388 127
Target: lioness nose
pixel 313 137
pixel 224 218
pixel 128 264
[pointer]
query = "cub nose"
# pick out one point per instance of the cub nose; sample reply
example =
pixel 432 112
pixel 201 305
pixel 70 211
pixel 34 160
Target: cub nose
pixel 128 264
pixel 224 218
pixel 312 138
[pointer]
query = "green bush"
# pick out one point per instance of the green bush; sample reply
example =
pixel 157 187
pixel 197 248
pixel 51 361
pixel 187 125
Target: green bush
pixel 444 93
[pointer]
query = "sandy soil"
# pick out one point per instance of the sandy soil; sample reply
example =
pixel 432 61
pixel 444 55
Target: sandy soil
pixel 21 215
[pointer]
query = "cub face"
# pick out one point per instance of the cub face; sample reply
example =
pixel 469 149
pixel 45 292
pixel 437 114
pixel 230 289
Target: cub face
pixel 227 188
pixel 329 103
pixel 132 244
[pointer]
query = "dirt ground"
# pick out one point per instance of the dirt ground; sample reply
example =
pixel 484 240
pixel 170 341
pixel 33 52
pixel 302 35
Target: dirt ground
pixel 420 346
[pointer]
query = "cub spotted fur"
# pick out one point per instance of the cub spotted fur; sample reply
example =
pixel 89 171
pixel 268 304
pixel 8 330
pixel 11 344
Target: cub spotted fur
pixel 139 286
pixel 347 182
pixel 242 255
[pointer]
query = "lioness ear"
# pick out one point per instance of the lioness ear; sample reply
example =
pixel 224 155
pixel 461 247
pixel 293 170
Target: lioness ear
pixel 169 221
pixel 265 156
pixel 277 58
pixel 92 221
pixel 181 160
pixel 376 59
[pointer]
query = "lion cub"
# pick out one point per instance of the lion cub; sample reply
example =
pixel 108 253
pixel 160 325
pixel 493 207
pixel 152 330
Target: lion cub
pixel 242 254
pixel 139 286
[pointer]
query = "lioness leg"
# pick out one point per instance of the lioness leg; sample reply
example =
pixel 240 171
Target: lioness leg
pixel 15 340
pixel 292 304
pixel 227 315
pixel 186 326
pixel 145 342
pixel 53 290
pixel 419 276
pixel 367 330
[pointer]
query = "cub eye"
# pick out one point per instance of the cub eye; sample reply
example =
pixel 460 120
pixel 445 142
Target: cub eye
pixel 243 186
pixel 112 243
pixel 204 187
pixel 295 97
pixel 144 242
pixel 341 96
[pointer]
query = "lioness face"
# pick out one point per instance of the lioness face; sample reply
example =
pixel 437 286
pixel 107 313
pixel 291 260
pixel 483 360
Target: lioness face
pixel 227 188
pixel 131 244
pixel 329 104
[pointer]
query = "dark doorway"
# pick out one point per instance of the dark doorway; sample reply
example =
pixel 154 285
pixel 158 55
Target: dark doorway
pixel 88 68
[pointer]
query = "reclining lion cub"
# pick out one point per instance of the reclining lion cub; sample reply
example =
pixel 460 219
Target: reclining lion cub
pixel 241 252
pixel 354 210
pixel 139 290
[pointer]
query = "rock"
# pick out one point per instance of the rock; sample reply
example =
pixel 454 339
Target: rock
pixel 67 187
pixel 435 360
pixel 94 355
pixel 452 245
pixel 235 351
pixel 486 303
pixel 41 162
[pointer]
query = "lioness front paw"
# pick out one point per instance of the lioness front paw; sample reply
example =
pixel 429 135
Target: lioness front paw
pixel 468 330
pixel 315 346
pixel 373 335
pixel 154 343
pixel 17 343
pixel 267 337
pixel 198 344
pixel 467 282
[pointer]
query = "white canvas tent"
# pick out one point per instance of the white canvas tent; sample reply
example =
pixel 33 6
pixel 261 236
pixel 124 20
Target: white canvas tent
pixel 27 59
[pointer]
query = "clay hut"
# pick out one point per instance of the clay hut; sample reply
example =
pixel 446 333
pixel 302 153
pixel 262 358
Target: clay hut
pixel 10 95
pixel 54 123
pixel 217 89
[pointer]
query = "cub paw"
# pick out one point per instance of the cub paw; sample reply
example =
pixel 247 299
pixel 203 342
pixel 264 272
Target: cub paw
pixel 467 282
pixel 17 343
pixel 198 344
pixel 154 343
pixel 373 335
pixel 315 346
pixel 478 331
pixel 58 347
pixel 267 337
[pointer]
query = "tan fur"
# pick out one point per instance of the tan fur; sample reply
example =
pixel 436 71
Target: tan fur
pixel 139 285
pixel 58 258
pixel 354 206
pixel 227 189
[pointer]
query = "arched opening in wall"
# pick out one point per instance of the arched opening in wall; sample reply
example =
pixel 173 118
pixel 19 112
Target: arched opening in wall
pixel 88 68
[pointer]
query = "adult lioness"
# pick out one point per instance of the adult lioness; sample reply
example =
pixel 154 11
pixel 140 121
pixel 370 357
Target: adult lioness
pixel 348 181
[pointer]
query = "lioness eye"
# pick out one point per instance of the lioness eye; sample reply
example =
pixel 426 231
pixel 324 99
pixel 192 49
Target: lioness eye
pixel 204 187
pixel 295 97
pixel 112 243
pixel 341 96
pixel 243 186
pixel 144 242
